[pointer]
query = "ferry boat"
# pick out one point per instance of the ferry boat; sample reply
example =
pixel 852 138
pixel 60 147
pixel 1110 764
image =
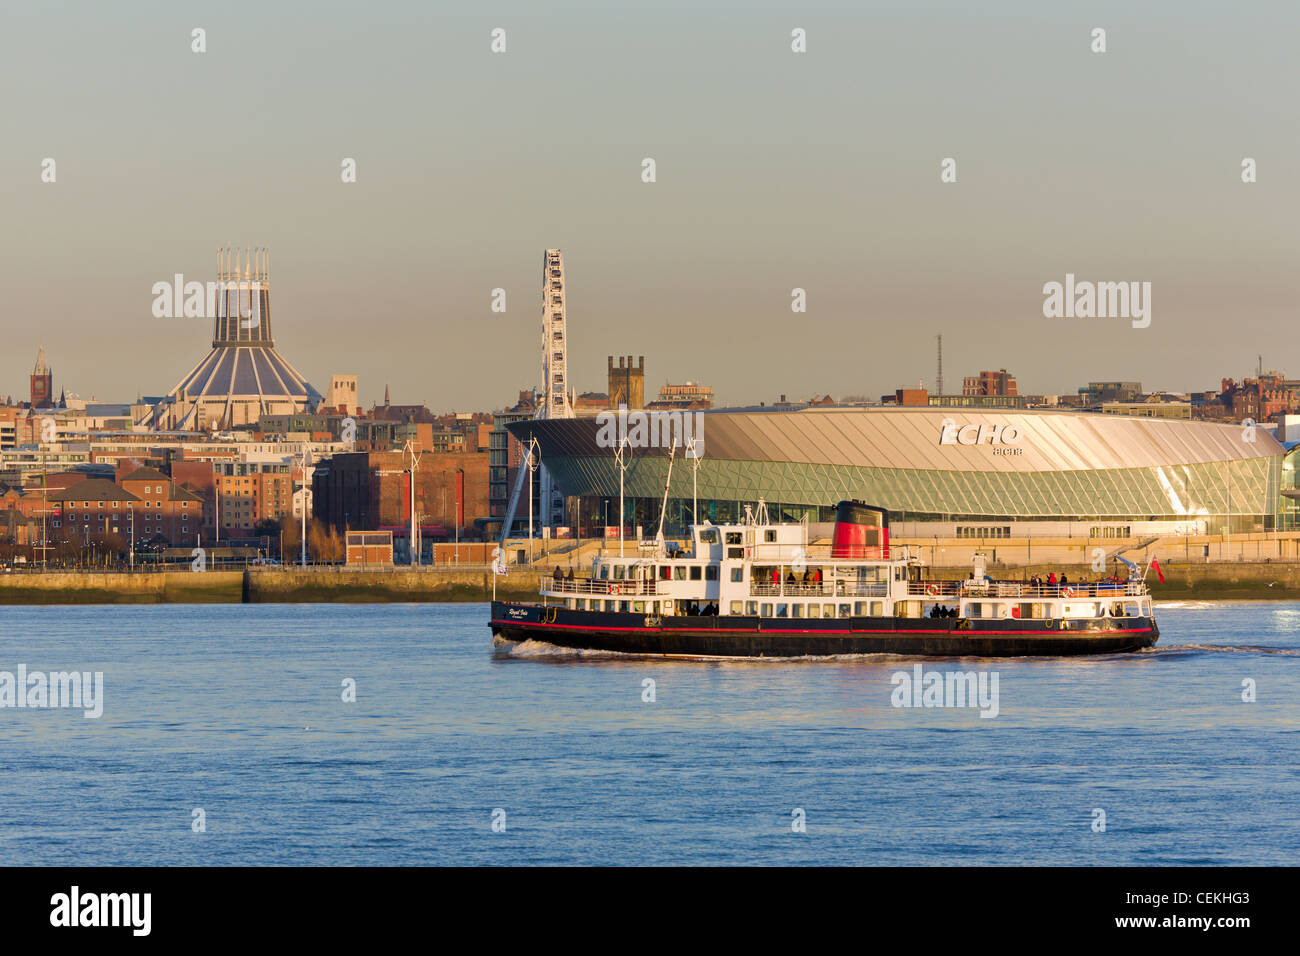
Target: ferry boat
pixel 758 589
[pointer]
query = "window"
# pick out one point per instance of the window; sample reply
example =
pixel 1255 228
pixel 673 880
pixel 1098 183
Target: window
pixel 709 536
pixel 828 610
pixel 711 573
pixel 770 536
pixel 796 610
pixel 844 611
pixel 619 571
pixel 782 610
pixel 751 608
pixel 765 610
pixel 737 575
pixel 736 608
pixel 695 572
pixel 733 537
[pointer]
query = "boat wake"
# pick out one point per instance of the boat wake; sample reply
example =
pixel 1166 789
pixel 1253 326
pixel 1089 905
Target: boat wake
pixel 542 650
pixel 1196 649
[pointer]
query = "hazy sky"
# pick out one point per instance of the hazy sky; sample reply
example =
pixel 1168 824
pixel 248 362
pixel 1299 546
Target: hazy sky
pixel 775 170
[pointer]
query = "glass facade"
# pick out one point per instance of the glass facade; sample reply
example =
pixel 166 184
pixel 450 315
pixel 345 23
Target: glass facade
pixel 1242 495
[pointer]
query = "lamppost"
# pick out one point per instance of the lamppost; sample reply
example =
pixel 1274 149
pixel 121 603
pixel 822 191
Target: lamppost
pixel 531 462
pixel 460 506
pixel 303 502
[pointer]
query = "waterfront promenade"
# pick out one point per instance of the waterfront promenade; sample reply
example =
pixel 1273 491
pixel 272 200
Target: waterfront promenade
pixel 336 584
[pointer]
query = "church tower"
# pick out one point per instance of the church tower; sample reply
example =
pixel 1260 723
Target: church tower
pixel 42 382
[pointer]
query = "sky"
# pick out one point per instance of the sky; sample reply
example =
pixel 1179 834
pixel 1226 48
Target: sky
pixel 775 170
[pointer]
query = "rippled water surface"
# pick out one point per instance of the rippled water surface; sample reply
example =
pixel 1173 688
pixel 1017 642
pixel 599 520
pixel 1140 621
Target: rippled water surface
pixel 236 710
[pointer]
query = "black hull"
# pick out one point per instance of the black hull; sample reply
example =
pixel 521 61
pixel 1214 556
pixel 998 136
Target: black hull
pixel 770 637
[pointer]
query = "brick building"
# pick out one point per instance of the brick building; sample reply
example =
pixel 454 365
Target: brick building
pixel 371 491
pixel 96 506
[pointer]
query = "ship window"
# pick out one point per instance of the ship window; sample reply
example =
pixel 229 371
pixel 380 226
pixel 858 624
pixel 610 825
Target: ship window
pixel 733 537
pixel 877 608
pixel 709 536
pixel 737 574
pixel 1027 611
pixel 783 610
pixel 736 552
pixel 639 607
pixel 844 610
pixel 736 607
pixel 751 608
pixel 679 572
pixel 622 606
pixel 695 572
pixel 766 610
pixel 664 572
pixel 582 604
pixel 711 572
pixel 604 572
pixel 769 536
pixel 619 571
pixel 796 610
pixel 860 608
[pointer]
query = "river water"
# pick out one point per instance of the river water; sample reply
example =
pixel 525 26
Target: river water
pixel 225 739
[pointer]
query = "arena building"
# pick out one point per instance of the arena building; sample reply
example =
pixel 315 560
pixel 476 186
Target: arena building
pixel 947 472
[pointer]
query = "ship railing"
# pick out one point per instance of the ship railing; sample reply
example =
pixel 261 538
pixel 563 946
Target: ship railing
pixel 822 589
pixel 1028 592
pixel 598 586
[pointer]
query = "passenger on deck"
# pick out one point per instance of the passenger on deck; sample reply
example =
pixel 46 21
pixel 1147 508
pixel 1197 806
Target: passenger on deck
pixel 569 576
pixel 559 575
pixel 789 578
pixel 1051 579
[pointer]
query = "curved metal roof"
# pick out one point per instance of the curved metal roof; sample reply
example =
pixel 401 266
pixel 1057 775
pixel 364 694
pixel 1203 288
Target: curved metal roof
pixel 910 438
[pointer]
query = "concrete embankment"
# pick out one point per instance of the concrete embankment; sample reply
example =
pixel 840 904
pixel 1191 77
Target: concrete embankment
pixel 1208 582
pixel 265 586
